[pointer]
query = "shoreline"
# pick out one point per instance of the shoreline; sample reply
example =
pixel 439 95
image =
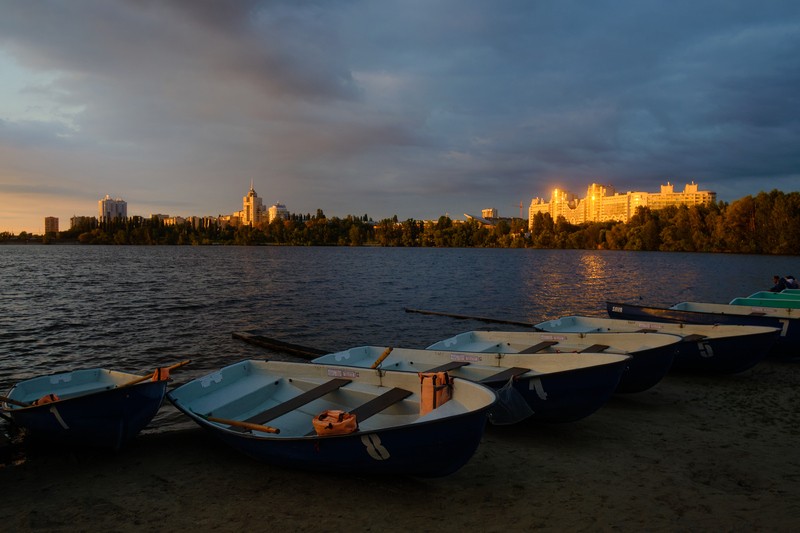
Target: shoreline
pixel 716 453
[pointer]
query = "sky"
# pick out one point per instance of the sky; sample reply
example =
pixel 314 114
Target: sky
pixel 414 108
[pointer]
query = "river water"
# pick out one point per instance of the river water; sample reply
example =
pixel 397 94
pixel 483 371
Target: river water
pixel 136 308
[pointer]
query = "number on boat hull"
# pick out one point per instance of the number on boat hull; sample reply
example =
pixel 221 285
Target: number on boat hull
pixel 374 447
pixel 705 349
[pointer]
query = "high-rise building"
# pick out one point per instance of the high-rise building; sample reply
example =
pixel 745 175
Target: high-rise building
pixel 110 209
pixel 50 225
pixel 602 203
pixel 252 208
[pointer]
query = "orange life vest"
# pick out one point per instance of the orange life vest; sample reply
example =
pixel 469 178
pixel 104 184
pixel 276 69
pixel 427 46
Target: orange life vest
pixel 335 422
pixel 437 389
pixel 47 398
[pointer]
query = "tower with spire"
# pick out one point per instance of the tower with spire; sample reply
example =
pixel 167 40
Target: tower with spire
pixel 252 207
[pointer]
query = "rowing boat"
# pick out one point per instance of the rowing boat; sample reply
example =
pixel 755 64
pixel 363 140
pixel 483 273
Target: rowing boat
pixel 785 320
pixel 277 412
pixel 553 388
pixel 704 348
pixel 90 407
pixel 787 303
pixel 786 294
pixel 652 354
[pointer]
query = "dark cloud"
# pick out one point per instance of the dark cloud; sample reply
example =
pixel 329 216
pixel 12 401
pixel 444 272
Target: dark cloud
pixel 415 108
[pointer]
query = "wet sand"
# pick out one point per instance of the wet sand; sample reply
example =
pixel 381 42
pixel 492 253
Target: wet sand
pixel 691 454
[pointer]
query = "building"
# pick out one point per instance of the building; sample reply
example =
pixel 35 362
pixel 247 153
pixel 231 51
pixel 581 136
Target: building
pixel 174 221
pixel 110 209
pixel 50 225
pixel 82 223
pixel 277 211
pixel 489 213
pixel 252 208
pixel 602 203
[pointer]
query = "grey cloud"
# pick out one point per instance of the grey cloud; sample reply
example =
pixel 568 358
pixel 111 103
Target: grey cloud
pixel 345 103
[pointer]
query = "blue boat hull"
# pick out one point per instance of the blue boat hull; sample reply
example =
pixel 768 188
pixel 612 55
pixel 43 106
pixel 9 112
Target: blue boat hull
pixel 727 355
pixel 787 343
pixel 571 395
pixel 426 449
pixel 106 419
pixel 647 368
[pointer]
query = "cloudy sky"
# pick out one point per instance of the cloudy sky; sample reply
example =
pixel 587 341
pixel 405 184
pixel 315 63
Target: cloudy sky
pixel 414 108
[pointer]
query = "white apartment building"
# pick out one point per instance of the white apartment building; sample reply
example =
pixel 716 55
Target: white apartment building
pixel 277 211
pixel 110 209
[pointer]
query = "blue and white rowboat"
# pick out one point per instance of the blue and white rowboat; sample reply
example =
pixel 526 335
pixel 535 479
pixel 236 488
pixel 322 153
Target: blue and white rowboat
pixel 652 354
pixel 785 320
pixel 556 388
pixel 717 349
pixel 266 409
pixel 91 407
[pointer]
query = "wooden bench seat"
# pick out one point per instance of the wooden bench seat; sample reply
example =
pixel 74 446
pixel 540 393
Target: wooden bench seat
pixel 298 401
pixel 693 337
pixel 505 375
pixel 379 403
pixel 538 347
pixel 595 348
pixel 447 367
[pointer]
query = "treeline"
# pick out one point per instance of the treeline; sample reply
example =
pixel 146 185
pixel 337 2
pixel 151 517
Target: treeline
pixel 768 223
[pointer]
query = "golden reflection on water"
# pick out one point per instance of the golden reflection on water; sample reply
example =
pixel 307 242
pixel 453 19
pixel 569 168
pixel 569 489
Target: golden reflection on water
pixel 594 267
pixel 565 282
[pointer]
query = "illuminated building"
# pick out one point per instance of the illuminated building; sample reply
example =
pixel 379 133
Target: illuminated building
pixel 252 208
pixel 602 203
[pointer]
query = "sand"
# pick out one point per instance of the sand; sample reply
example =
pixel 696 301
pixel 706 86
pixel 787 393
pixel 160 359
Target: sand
pixel 691 454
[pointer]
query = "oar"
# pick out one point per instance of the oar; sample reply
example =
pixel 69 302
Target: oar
pixel 14 402
pixel 245 425
pixel 469 317
pixel 383 356
pixel 153 374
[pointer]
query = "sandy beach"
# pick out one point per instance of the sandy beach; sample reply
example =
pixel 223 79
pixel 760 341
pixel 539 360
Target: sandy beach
pixel 691 454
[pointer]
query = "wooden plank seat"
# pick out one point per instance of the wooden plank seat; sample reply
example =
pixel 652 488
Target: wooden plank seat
pixel 298 401
pixel 447 367
pixel 505 375
pixel 693 337
pixel 595 348
pixel 377 404
pixel 539 347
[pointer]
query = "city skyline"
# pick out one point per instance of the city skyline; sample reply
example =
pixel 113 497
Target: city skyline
pixel 395 108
